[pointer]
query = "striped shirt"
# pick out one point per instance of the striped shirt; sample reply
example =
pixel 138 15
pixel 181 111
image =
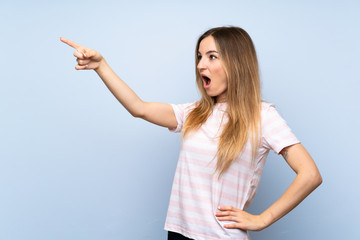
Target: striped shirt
pixel 197 191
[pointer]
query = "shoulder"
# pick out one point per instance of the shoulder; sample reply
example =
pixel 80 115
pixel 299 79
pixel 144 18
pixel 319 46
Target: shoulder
pixel 185 106
pixel 266 107
pixel 269 114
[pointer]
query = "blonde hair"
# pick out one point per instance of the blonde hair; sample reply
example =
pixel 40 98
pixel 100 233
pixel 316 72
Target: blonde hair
pixel 238 56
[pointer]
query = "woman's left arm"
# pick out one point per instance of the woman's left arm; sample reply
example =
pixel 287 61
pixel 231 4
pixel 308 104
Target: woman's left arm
pixel 308 178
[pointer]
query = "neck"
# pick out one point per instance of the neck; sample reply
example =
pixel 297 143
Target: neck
pixel 220 100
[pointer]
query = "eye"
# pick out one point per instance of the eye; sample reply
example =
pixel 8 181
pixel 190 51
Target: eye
pixel 212 57
pixel 198 57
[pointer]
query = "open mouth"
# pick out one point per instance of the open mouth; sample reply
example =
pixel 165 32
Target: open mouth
pixel 206 80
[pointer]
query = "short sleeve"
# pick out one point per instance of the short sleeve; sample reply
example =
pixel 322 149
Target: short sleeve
pixel 275 131
pixel 181 111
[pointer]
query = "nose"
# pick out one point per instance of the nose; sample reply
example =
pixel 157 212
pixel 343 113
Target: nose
pixel 201 64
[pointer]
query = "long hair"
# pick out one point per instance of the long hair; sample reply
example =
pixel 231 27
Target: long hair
pixel 238 56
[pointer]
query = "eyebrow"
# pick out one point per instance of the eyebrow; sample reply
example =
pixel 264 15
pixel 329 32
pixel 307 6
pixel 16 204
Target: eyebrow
pixel 211 51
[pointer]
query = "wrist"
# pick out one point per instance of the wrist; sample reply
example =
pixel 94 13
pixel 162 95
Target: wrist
pixel 266 218
pixel 102 65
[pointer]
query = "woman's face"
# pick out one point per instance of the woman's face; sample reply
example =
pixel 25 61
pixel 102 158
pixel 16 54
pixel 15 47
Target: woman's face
pixel 211 70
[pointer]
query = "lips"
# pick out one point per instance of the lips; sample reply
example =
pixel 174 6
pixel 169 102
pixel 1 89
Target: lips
pixel 206 80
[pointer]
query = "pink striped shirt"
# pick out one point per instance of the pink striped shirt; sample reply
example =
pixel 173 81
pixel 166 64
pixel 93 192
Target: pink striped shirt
pixel 197 191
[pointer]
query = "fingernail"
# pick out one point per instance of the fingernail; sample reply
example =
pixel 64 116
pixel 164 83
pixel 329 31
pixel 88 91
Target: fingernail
pixel 84 55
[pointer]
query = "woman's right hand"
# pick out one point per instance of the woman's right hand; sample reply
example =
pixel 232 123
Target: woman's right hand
pixel 87 58
pixel 161 114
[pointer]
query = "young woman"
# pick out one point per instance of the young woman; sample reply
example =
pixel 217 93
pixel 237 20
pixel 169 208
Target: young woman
pixel 227 136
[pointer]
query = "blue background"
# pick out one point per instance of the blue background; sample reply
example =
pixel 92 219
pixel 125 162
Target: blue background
pixel 75 165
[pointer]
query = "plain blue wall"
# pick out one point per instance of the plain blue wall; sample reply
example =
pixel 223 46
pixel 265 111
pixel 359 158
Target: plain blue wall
pixel 75 165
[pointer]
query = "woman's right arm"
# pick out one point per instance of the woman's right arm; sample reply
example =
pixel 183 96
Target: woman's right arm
pixel 158 113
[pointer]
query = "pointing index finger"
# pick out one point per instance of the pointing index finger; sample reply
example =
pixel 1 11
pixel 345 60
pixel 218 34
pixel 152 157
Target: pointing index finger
pixel 70 43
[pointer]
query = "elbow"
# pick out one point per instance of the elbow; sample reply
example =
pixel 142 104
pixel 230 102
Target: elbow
pixel 137 110
pixel 136 114
pixel 311 179
pixel 315 179
pixel 320 180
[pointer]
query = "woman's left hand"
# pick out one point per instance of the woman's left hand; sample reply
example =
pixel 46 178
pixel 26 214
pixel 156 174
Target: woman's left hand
pixel 242 219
